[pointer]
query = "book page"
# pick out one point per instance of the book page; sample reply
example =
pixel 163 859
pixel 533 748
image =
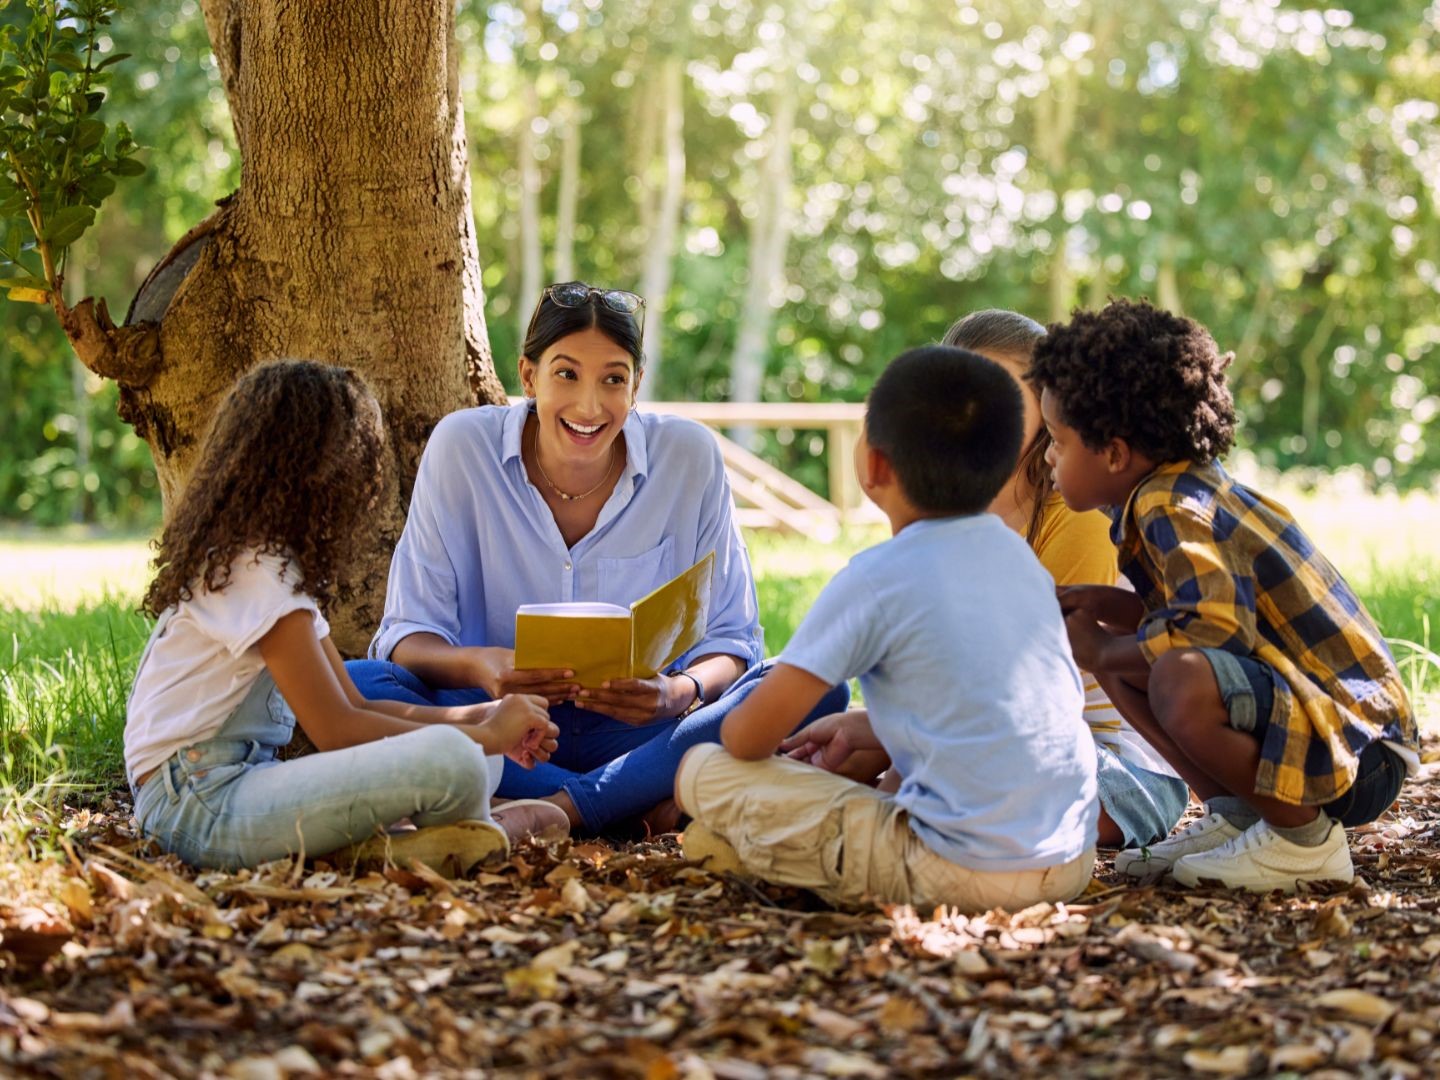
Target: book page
pixel 672 619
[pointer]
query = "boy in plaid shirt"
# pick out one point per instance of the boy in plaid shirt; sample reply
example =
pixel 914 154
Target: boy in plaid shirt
pixel 1242 655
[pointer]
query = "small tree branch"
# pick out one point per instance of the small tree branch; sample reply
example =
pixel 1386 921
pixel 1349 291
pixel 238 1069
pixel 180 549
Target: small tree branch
pixel 130 355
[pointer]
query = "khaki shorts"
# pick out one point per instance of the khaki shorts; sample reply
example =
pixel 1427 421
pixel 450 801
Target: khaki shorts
pixel 794 824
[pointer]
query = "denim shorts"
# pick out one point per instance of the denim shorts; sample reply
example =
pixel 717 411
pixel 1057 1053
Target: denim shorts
pixel 1144 805
pixel 1247 686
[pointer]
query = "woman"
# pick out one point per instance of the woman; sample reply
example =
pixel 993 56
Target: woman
pixel 572 495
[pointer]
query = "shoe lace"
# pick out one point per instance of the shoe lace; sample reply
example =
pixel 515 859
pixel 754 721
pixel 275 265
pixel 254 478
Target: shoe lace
pixel 1199 825
pixel 1251 839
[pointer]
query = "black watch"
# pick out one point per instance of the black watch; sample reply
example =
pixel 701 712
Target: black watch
pixel 699 693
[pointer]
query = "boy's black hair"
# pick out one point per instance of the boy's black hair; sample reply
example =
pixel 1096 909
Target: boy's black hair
pixel 1135 372
pixel 951 423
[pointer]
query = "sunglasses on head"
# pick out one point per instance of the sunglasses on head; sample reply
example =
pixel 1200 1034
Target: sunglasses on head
pixel 574 294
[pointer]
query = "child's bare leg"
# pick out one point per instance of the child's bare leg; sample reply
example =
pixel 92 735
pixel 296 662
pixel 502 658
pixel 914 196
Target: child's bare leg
pixel 562 799
pixel 1109 834
pixel 1134 705
pixel 1185 702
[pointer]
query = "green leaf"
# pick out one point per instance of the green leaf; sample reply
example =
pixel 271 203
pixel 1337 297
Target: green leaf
pixel 67 224
pixel 67 61
pixel 128 167
pixel 23 282
pixel 112 60
pixel 97 188
pixel 88 133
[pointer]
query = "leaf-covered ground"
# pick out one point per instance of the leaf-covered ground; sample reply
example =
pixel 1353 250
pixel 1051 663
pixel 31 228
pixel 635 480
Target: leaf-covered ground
pixel 589 960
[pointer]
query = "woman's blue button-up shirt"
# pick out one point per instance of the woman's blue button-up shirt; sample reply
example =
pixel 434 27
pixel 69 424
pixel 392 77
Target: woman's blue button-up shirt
pixel 480 541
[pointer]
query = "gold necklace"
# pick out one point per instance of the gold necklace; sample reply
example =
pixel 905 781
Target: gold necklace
pixel 565 495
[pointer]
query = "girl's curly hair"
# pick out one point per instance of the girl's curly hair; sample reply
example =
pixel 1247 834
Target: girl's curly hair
pixel 1135 372
pixel 291 467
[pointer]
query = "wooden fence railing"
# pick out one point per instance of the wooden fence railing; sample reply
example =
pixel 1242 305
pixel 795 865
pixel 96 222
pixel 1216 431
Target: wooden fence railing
pixel 767 498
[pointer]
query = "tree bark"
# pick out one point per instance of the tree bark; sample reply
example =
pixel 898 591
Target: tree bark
pixel 350 241
pixel 665 222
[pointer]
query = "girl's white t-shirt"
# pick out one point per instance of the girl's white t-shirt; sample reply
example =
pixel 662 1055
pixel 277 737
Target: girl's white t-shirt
pixel 203 658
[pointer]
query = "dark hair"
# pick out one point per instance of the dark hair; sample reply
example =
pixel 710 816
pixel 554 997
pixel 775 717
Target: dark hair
pixel 552 322
pixel 950 422
pixel 1135 372
pixel 994 332
pixel 292 467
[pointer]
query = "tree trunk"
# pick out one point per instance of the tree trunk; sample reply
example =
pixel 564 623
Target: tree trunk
pixel 665 223
pixel 567 200
pixel 769 239
pixel 350 241
pixel 1167 278
pixel 532 258
pixel 1313 375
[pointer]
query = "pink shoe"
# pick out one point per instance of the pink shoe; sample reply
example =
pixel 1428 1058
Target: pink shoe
pixel 524 818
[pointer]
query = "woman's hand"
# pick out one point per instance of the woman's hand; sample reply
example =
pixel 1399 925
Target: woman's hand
pixel 494 672
pixel 519 726
pixel 1119 608
pixel 843 743
pixel 639 701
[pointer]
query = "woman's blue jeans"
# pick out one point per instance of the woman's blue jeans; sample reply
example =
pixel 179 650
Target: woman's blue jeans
pixel 611 770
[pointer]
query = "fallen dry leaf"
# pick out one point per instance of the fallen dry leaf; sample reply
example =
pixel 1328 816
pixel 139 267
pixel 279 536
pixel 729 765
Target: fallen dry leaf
pixel 1358 1005
pixel 622 960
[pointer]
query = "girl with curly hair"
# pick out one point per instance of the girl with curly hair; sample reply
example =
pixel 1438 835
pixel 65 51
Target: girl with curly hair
pixel 246 575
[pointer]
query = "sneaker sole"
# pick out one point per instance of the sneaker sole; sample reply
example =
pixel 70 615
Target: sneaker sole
pixel 1191 880
pixel 1141 869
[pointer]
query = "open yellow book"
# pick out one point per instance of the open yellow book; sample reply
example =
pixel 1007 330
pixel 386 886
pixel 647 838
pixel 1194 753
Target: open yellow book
pixel 606 641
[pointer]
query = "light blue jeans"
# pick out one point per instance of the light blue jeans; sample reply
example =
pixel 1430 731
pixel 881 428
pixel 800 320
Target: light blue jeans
pixel 1145 805
pixel 226 802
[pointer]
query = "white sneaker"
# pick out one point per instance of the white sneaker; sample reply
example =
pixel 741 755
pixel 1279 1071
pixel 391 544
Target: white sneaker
pixel 1260 859
pixel 1203 834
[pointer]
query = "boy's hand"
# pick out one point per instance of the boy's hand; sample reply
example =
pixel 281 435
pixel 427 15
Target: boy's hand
pixel 1106 604
pixel 520 728
pixel 843 743
pixel 494 672
pixel 1087 640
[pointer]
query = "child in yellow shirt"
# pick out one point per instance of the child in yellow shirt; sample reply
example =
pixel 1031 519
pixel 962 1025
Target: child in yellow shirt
pixel 1141 797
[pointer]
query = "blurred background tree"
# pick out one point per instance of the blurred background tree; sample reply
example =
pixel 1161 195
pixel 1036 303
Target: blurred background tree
pixel 805 187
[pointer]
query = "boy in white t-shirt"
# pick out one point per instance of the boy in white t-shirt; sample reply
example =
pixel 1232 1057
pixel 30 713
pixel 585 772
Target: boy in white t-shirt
pixel 954 631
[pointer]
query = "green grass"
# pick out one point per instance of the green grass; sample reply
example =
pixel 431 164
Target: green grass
pixel 64 677
pixel 70 636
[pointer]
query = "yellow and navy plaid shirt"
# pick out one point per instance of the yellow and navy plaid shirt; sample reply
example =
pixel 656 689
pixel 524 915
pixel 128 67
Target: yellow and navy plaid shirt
pixel 1220 566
